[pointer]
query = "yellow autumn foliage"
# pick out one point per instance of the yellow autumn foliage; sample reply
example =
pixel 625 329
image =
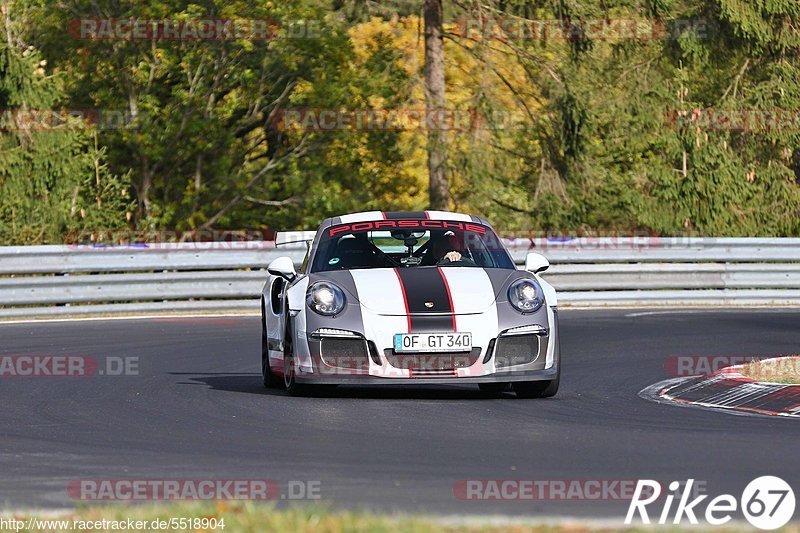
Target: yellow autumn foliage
pixel 476 72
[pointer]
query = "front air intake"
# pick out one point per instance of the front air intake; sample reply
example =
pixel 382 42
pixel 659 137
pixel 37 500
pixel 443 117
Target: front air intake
pixel 516 350
pixel 350 353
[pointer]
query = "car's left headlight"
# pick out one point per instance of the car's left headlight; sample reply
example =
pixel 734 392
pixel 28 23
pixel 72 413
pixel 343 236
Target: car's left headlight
pixel 325 298
pixel 525 295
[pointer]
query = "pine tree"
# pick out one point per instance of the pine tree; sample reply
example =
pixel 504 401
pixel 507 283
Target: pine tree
pixel 53 181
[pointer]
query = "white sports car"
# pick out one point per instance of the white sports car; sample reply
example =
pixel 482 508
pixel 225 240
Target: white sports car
pixel 405 297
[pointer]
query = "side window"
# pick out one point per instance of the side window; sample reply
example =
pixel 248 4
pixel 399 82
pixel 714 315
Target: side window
pixel 275 296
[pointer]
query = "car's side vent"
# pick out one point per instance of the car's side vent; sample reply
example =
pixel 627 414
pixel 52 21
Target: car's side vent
pixel 489 351
pixel 373 353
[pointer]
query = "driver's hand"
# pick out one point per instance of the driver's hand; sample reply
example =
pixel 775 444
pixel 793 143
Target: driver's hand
pixel 452 256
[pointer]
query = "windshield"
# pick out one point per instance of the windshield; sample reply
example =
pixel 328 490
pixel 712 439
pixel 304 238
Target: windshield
pixel 409 244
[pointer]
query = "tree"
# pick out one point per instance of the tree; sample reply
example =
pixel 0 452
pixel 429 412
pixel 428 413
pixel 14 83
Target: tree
pixel 439 191
pixel 572 132
pixel 211 150
pixel 53 177
pixel 623 135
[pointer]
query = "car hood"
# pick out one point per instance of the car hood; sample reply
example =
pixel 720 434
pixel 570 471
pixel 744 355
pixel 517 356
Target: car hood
pixel 423 290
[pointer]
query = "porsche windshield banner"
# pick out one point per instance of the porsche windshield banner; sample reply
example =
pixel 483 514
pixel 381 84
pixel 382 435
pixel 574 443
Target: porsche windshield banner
pixel 404 224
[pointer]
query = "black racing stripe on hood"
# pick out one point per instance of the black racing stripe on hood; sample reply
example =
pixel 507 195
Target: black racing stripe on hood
pixel 431 323
pixel 423 286
pixel 405 215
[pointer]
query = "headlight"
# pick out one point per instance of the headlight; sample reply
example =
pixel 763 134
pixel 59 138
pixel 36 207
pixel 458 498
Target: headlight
pixel 325 298
pixel 525 295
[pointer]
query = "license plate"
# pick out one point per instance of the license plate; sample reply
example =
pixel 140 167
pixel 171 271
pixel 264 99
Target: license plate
pixel 433 342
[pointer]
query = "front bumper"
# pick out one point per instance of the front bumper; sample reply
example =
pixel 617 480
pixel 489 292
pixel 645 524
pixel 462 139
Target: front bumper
pixel 360 361
pixel 363 379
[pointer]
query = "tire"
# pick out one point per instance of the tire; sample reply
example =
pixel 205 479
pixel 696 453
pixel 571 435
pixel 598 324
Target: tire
pixel 537 389
pixel 270 380
pixel 541 389
pixel 292 386
pixel 493 388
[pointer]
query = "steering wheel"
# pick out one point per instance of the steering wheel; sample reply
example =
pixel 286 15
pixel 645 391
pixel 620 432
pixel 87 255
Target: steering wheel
pixel 461 262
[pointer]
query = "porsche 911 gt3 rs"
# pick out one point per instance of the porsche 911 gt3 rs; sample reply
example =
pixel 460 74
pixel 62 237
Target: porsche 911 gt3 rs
pixel 409 297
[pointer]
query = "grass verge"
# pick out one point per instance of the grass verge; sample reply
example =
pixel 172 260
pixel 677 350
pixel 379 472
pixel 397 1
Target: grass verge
pixel 779 370
pixel 250 517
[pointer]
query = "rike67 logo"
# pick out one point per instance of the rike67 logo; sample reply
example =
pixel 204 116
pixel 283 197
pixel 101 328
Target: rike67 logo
pixel 767 502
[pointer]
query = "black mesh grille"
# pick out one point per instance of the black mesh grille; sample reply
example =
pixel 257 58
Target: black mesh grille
pixel 447 372
pixel 516 350
pixel 345 353
pixel 422 363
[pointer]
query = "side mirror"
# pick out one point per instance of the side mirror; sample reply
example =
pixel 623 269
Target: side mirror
pixel 283 267
pixel 536 263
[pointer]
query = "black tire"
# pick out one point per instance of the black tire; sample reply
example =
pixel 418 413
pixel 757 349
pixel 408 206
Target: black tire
pixel 292 386
pixel 537 389
pixel 493 388
pixel 270 380
pixel 541 389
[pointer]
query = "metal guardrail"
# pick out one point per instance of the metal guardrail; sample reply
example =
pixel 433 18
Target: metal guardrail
pixel 188 277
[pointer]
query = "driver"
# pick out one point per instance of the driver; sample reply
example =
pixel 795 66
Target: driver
pixel 444 249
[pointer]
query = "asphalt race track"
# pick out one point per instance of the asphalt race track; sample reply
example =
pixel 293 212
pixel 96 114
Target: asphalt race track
pixel 197 410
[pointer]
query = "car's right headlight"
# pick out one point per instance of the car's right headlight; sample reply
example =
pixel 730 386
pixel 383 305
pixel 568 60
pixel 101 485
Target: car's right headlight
pixel 525 295
pixel 325 298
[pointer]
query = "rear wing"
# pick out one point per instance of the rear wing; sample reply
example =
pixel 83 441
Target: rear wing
pixel 293 237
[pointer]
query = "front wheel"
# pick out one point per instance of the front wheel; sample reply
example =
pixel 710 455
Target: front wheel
pixel 289 379
pixel 270 380
pixel 541 389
